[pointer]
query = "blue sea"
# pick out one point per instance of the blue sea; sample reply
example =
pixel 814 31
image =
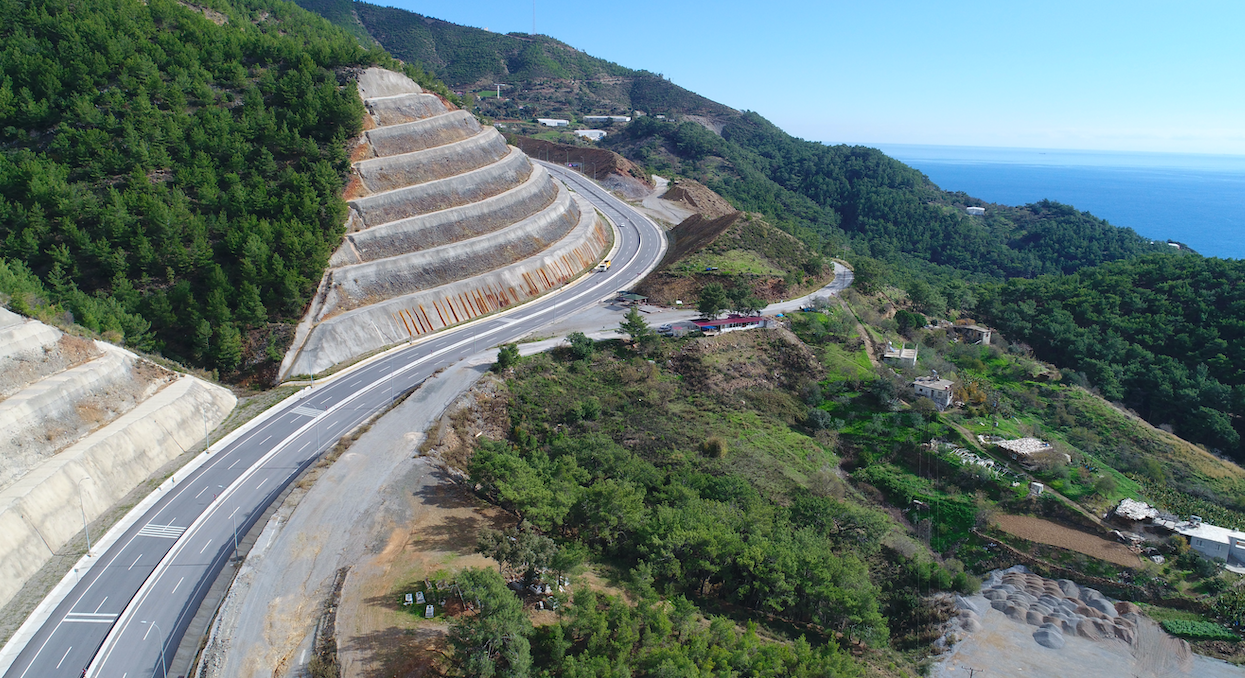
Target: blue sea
pixel 1195 199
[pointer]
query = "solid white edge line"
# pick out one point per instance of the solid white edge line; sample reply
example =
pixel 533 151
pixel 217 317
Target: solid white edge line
pixel 43 612
pixel 124 619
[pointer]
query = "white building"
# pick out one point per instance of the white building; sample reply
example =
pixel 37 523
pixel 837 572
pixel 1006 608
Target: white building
pixel 606 118
pixel 937 390
pixel 594 134
pixel 553 122
pixel 903 355
pixel 1213 541
pixel 975 211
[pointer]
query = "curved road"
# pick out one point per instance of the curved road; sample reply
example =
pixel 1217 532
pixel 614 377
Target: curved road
pixel 127 615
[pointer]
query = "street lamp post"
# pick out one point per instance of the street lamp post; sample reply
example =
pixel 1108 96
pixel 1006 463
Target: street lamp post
pixel 164 669
pixel 82 504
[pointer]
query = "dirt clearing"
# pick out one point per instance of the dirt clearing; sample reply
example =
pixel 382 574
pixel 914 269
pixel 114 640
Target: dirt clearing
pixel 1053 534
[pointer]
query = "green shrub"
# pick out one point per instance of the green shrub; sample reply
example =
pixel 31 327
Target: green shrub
pixel 1198 630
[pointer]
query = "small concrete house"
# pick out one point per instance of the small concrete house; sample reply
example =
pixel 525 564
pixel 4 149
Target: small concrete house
pixel 975 211
pixel 553 122
pixel 937 390
pixel 974 334
pixel 1213 541
pixel 902 355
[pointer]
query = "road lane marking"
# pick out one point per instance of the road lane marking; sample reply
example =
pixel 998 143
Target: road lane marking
pixel 307 411
pixel 209 543
pixel 418 361
pixel 161 531
pixel 88 618
pixel 101 604
pixel 140 556
pixel 261 483
pixel 62 661
pixel 149 627
pixel 179 583
pixel 235 510
pixel 265 440
pixel 235 463
pixel 201 492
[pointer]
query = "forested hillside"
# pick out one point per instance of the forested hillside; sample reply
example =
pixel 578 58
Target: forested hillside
pixel 838 198
pixel 542 74
pixel 171 173
pixel 1163 334
pixel 882 207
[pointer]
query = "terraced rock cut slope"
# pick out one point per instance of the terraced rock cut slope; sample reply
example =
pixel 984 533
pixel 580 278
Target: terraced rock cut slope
pixel 81 424
pixel 447 223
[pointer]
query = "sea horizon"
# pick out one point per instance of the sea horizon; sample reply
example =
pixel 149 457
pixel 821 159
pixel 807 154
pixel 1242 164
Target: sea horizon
pixel 1197 199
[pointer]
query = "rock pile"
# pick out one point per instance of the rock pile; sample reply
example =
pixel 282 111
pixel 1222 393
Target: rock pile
pixel 1056 608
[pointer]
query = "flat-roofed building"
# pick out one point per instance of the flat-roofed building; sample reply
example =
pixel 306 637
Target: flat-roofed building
pixel 937 390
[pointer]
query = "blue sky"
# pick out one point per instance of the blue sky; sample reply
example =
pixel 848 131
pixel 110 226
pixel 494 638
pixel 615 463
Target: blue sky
pixel 1086 74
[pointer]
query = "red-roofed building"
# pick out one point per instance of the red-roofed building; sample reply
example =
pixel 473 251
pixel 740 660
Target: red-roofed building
pixel 734 322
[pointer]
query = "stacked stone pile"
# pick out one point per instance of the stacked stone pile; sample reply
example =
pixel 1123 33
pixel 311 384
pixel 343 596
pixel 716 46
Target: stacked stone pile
pixel 1056 608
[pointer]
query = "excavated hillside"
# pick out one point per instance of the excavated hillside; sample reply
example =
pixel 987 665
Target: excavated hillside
pixel 735 249
pixel 698 198
pixel 613 171
pixel 83 423
pixel 447 223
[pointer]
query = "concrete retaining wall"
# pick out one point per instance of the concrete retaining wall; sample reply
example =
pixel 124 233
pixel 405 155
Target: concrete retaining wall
pixel 420 135
pixel 379 82
pixel 448 226
pixel 42 511
pixel 395 276
pixel 433 196
pixel 397 171
pixel 18 336
pixel 402 109
pixel 57 410
pixel 388 322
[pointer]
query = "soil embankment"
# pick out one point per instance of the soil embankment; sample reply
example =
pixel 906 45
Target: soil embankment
pixel 611 169
pixel 734 249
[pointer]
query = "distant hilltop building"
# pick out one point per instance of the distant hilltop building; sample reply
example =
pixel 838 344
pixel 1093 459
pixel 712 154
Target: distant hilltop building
pixel 594 134
pixel 606 118
pixel 975 211
pixel 553 122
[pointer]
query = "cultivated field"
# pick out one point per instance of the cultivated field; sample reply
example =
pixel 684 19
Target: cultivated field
pixel 1046 532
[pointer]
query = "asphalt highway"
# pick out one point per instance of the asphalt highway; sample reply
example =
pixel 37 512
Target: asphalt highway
pixel 127 615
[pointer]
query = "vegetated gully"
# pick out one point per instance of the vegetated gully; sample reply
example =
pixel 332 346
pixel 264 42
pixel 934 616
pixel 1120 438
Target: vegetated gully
pixel 127 615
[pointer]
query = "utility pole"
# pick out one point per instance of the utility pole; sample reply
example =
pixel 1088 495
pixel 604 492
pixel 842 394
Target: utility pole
pixel 973 672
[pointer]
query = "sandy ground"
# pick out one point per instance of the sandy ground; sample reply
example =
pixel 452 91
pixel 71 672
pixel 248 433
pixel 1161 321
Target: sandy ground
pixel 348 516
pixel 1004 647
pixel 663 212
pixel 1046 532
